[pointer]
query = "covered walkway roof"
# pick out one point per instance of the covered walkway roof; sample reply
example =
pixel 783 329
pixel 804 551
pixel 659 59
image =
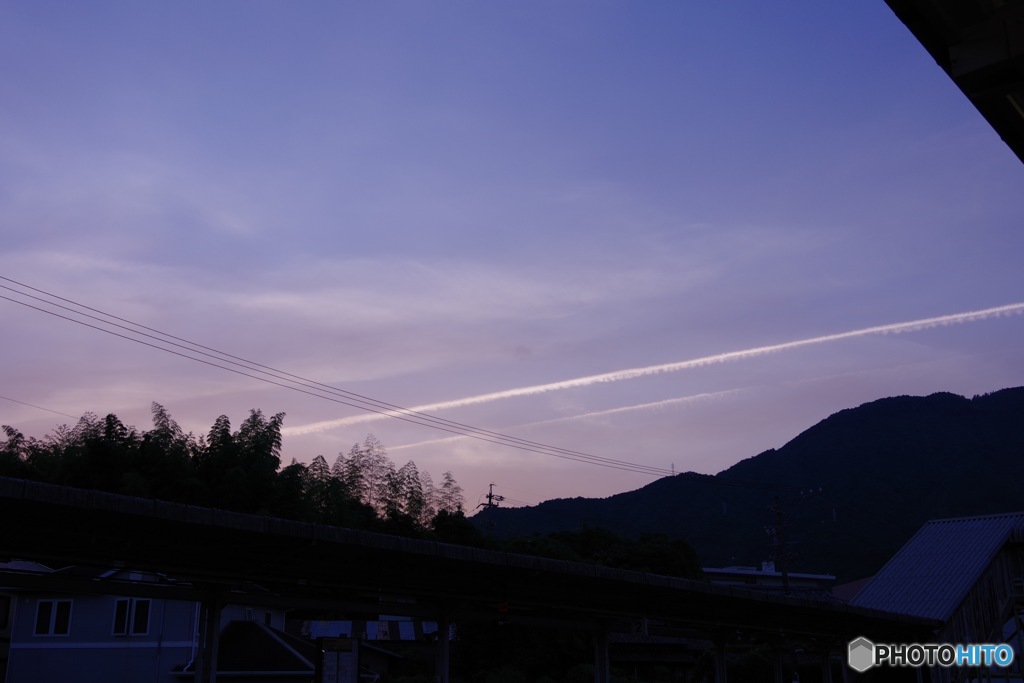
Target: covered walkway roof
pixel 302 563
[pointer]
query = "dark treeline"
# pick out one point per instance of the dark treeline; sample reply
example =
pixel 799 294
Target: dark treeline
pixel 241 470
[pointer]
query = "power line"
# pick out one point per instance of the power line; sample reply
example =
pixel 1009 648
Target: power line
pixel 32 405
pixel 303 385
pixel 376 406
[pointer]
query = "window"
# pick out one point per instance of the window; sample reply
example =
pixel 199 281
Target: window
pixel 131 617
pixel 53 617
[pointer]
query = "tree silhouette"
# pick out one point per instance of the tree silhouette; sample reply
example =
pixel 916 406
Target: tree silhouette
pixel 13 453
pixel 449 497
pixel 238 470
pixel 258 441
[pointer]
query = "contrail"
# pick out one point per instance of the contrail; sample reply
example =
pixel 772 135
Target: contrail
pixel 633 373
pixel 583 416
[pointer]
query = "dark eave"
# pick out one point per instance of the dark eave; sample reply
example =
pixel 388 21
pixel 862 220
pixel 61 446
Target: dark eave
pixel 307 563
pixel 980 45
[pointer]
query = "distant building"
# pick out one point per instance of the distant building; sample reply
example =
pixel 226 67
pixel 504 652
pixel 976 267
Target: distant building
pixel 6 619
pixel 373 647
pixel 8 598
pixel 768 577
pixel 385 630
pixel 967 573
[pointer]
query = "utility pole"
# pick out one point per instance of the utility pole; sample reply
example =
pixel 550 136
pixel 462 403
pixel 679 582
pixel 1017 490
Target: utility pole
pixel 492 502
pixel 780 544
pixel 492 499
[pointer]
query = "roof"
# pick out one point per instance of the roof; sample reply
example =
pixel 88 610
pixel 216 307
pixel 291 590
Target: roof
pixel 980 46
pixel 362 573
pixel 849 590
pixel 931 575
pixel 760 572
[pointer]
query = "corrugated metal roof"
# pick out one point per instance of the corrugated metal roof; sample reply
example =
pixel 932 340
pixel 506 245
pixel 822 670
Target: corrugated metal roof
pixel 932 574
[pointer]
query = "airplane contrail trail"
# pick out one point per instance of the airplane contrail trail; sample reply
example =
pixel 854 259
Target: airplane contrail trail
pixel 584 416
pixel 633 373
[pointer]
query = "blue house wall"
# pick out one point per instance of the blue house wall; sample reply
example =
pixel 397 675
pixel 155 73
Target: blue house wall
pixel 6 623
pixel 94 640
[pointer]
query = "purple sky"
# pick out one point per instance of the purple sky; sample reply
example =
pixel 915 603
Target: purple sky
pixel 430 202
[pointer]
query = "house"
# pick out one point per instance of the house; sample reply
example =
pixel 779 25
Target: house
pixel 967 573
pixel 768 577
pixel 132 634
pixel 6 612
pixel 375 647
pixel 7 602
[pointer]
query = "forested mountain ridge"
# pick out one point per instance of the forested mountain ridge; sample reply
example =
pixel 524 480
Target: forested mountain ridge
pixel 845 494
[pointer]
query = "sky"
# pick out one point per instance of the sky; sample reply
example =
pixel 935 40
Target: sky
pixel 665 235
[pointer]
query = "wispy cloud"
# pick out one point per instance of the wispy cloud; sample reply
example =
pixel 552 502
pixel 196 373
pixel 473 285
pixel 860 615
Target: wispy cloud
pixel 634 373
pixel 681 400
pixel 398 291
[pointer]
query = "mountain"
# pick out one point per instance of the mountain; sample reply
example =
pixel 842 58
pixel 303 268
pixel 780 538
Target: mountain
pixel 845 494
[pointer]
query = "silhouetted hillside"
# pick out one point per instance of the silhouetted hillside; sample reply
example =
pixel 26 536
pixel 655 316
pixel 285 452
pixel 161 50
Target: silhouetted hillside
pixel 851 489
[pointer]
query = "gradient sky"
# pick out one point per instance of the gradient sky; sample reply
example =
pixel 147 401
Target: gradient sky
pixel 428 202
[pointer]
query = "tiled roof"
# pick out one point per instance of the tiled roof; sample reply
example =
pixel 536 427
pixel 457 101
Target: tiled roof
pixel 932 574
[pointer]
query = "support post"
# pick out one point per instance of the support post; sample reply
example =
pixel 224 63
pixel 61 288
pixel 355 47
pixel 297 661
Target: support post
pixel 777 665
pixel 442 653
pixel 209 639
pixel 826 666
pixel 721 673
pixel 602 666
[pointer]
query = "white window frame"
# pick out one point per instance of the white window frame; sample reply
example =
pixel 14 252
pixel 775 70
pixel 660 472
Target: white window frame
pixel 131 616
pixel 52 626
